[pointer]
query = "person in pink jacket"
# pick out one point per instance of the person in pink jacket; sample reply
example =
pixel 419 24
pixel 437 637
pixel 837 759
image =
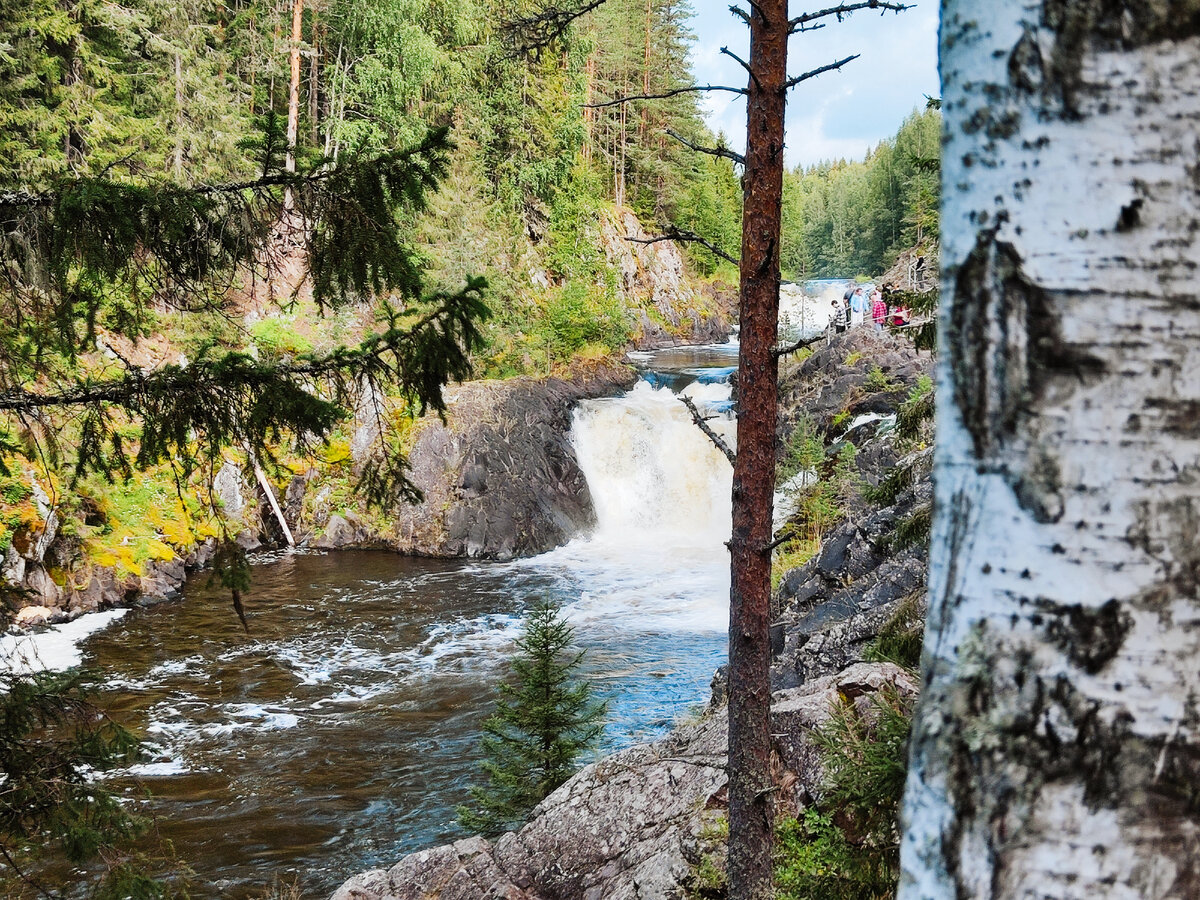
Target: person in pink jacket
pixel 878 310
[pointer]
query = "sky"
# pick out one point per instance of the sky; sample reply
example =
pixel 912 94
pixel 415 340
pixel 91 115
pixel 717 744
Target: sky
pixel 837 114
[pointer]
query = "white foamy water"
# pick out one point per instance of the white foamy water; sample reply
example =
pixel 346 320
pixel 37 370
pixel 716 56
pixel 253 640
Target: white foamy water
pixel 657 559
pixel 54 650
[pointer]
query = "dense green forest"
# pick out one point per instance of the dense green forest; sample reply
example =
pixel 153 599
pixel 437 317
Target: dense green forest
pixel 842 219
pixel 162 90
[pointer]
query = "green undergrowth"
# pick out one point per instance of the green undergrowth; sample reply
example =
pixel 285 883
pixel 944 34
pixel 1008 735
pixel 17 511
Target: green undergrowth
pixel 821 502
pixel 846 846
pixel 900 639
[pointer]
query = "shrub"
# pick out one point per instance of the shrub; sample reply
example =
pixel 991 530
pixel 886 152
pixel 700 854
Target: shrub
pixel 847 847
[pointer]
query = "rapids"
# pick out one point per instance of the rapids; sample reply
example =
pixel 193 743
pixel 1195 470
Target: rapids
pixel 343 730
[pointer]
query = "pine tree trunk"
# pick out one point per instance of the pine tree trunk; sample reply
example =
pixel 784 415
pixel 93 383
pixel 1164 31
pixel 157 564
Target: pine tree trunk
pixel 1056 751
pixel 293 121
pixel 751 810
pixel 177 161
pixel 589 114
pixel 314 87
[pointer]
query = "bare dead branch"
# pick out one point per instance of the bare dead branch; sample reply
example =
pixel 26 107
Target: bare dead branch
pixel 702 424
pixel 813 73
pixel 684 237
pixel 721 152
pixel 799 345
pixel 842 10
pixel 541 29
pixel 745 65
pixel 740 13
pixel 785 535
pixel 690 89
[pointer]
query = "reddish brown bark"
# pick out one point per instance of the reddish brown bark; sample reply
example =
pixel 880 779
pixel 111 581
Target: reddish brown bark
pixel 751 807
pixel 293 121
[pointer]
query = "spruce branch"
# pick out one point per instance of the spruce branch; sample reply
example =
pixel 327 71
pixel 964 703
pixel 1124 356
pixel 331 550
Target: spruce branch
pixel 539 30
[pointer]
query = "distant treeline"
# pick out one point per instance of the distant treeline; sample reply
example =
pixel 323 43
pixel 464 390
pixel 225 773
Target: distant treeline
pixel 843 219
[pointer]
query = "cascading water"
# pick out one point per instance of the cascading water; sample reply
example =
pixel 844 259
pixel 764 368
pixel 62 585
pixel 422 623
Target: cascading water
pixel 656 560
pixel 653 475
pixel 343 731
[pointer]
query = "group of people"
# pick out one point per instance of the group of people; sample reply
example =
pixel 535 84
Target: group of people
pixel 856 305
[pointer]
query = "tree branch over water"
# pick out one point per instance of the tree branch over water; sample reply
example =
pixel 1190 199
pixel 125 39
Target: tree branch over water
pixel 702 424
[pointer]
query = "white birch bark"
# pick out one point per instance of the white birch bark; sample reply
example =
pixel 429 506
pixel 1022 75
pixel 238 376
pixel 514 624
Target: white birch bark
pixel 1056 752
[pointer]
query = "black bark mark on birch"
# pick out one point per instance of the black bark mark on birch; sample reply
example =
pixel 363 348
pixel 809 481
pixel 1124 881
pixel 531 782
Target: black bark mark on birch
pixel 1006 348
pixel 1080 26
pixel 1169 533
pixel 1089 636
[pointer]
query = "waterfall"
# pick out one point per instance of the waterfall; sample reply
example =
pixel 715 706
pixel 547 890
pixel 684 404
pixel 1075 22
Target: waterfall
pixel 656 561
pixel 654 476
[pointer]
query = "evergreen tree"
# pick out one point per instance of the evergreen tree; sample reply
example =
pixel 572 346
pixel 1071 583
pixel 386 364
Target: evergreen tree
pixel 544 719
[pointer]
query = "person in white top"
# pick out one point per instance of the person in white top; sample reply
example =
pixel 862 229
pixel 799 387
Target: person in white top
pixel 858 307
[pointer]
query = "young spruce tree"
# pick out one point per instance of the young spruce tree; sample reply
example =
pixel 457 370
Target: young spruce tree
pixel 544 719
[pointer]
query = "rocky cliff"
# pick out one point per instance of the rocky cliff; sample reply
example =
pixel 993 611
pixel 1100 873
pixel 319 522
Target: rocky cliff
pixel 668 308
pixel 499 475
pixel 645 822
pixel 499 478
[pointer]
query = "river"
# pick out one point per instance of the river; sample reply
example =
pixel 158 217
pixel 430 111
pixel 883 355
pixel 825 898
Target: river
pixel 343 730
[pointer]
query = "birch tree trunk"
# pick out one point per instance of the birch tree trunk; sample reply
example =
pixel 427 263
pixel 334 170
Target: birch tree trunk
pixel 1056 751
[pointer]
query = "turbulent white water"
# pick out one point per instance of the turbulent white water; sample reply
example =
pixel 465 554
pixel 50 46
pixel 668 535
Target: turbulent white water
pixel 55 649
pixel 657 559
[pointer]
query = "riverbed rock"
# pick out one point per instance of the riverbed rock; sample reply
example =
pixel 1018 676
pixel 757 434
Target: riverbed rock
pixel 499 475
pixel 32 616
pixel 630 827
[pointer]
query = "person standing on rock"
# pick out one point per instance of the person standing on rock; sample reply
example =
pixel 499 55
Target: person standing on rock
pixel 878 310
pixel 838 320
pixel 858 308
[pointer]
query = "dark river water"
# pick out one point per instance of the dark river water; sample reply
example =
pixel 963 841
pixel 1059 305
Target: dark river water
pixel 343 730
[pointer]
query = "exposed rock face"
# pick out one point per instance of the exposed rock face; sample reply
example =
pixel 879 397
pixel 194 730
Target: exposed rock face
pixel 825 384
pixel 500 477
pixel 629 827
pixel 656 290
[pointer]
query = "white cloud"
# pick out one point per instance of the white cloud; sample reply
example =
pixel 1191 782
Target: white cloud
pixel 838 114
